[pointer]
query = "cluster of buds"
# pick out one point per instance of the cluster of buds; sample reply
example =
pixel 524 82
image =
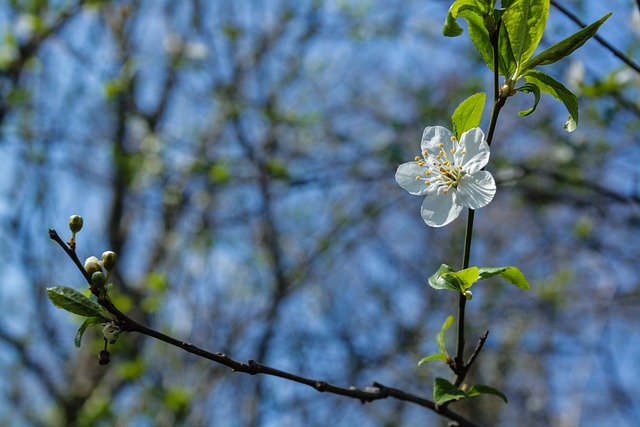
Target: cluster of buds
pixel 95 268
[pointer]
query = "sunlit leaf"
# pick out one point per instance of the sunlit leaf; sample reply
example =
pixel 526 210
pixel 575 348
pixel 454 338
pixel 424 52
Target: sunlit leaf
pixel 511 274
pixel 437 282
pixel 551 86
pixel 468 114
pixel 441 337
pixel 89 321
pixel 462 279
pixel 530 88
pixel 525 21
pixel 565 47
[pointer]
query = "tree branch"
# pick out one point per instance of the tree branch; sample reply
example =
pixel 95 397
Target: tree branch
pixel 367 394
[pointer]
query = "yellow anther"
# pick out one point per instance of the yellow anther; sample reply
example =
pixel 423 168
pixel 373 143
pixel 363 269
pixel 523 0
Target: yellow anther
pixel 427 172
pixel 416 158
pixel 425 152
pixel 417 177
pixel 453 138
pixel 453 150
pixel 441 145
pixel 428 182
pixel 464 152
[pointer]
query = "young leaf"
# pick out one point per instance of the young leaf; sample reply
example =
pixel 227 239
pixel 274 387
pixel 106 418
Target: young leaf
pixel 479 35
pixel 89 321
pixel 441 337
pixel 451 27
pixel 525 21
pixel 437 282
pixel 463 279
pixel 479 389
pixel 468 114
pixel 73 301
pixel 548 84
pixel 565 47
pixel 511 274
pixel 432 357
pixel 527 88
pixel 444 391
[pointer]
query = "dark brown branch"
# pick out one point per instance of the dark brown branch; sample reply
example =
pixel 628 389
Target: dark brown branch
pixel 624 58
pixel 367 394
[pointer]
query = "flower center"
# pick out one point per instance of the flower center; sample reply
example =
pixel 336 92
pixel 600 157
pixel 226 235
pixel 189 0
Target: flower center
pixel 441 169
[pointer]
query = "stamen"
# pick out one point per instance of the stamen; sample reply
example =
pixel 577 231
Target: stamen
pixel 417 177
pixel 416 158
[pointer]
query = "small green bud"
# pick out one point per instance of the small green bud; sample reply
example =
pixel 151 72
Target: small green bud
pixel 109 259
pixel 91 265
pixel 98 279
pixel 468 295
pixel 75 223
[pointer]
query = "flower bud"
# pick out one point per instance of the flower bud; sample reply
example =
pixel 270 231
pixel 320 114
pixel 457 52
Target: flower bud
pixel 109 259
pixel 104 357
pixel 468 295
pixel 75 223
pixel 98 279
pixel 91 265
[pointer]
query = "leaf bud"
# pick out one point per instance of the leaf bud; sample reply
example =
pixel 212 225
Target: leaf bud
pixel 98 279
pixel 109 259
pixel 104 357
pixel 75 223
pixel 91 265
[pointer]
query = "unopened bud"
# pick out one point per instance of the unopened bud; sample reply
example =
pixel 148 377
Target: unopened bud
pixel 104 357
pixel 91 265
pixel 75 223
pixel 468 295
pixel 109 259
pixel 98 279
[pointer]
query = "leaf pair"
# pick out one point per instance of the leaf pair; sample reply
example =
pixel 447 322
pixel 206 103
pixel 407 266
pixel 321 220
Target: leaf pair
pixel 74 302
pixel 445 391
pixel 461 281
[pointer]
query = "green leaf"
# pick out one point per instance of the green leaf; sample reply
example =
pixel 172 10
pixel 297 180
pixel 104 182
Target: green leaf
pixel 444 391
pixel 525 21
pixel 73 301
pixel 441 337
pixel 463 279
pixel 548 84
pixel 437 282
pixel 89 321
pixel 479 389
pixel 432 357
pixel 451 27
pixel 528 88
pixel 565 47
pixel 468 114
pixel 511 274
pixel 479 35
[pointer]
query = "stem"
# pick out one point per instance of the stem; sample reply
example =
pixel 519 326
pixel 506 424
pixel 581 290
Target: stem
pixel 459 367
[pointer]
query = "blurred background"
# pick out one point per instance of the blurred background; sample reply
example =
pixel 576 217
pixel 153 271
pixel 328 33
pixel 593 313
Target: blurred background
pixel 240 156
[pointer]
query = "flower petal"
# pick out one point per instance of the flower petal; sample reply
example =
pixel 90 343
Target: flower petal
pixel 476 151
pixel 433 136
pixel 406 177
pixel 477 190
pixel 439 209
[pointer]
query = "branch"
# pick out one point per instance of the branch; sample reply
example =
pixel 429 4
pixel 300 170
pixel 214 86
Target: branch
pixel 367 394
pixel 624 58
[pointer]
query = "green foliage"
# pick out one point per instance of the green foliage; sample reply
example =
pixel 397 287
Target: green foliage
pixel 444 391
pixel 441 340
pixel 525 21
pixel 530 88
pixel 549 85
pixel 73 301
pixel 460 281
pixel 565 47
pixel 89 321
pixel 468 114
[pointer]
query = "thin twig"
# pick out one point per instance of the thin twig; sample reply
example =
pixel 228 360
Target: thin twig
pixel 367 394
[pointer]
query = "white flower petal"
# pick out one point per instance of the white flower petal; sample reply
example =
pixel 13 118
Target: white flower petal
pixel 433 136
pixel 477 190
pixel 406 177
pixel 439 209
pixel 476 151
